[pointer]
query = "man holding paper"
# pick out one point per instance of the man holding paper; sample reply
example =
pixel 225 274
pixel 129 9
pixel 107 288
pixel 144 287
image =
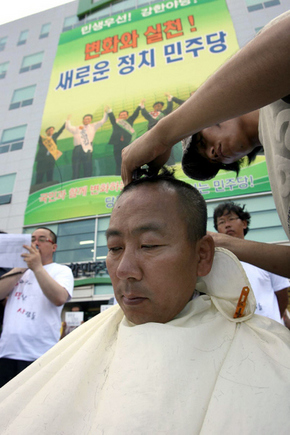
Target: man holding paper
pixel 36 295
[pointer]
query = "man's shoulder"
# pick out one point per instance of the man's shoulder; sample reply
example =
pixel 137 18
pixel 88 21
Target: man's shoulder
pixel 58 267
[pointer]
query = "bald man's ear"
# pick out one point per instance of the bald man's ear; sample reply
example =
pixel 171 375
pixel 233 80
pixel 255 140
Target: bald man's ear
pixel 206 255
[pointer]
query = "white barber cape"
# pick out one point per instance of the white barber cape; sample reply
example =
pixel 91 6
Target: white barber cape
pixel 201 373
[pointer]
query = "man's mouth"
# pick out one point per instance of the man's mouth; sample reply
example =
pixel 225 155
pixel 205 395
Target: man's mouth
pixel 133 300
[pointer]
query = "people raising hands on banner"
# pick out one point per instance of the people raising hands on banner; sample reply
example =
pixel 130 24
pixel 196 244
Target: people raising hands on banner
pixel 123 132
pixel 154 116
pixel 47 154
pixel 83 143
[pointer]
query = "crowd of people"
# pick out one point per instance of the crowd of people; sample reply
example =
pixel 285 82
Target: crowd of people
pixel 183 351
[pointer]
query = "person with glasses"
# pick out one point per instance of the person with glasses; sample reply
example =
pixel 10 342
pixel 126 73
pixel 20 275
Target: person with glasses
pixel 36 295
pixel 271 290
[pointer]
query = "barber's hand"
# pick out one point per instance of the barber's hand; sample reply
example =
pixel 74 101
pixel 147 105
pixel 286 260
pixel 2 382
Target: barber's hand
pixel 144 150
pixel 223 240
pixel 32 258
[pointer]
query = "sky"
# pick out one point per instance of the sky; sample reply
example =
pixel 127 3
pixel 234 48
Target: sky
pixel 13 10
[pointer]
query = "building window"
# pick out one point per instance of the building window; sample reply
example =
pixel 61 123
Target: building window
pixel 255 5
pixel 45 29
pixel 100 13
pixel 3 42
pixel 70 23
pixel 12 139
pixel 76 241
pixel 101 247
pixel 3 69
pixel 271 3
pixel 6 188
pixel 23 37
pixel 33 61
pixel 22 97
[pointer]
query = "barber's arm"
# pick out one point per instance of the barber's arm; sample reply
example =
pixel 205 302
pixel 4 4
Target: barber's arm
pixel 254 77
pixel 57 294
pixel 9 280
pixel 274 258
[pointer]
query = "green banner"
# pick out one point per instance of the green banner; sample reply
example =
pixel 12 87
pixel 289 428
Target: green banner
pixel 106 78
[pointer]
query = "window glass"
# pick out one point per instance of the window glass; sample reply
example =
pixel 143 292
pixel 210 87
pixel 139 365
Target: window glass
pixel 103 289
pixel 7 183
pixel 3 41
pixel 32 61
pixel 3 69
pixel 23 94
pixel 271 3
pixel 6 188
pixel 129 5
pixel 117 7
pixel 100 13
pixel 70 22
pixel 13 134
pixel 45 29
pixel 23 37
pixel 76 227
pixel 102 249
pixel 76 241
pixel 12 139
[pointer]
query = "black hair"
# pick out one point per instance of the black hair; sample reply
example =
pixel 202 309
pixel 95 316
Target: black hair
pixel 49 128
pixel 231 206
pixel 198 167
pixel 158 102
pixel 53 235
pixel 124 111
pixel 191 202
pixel 88 114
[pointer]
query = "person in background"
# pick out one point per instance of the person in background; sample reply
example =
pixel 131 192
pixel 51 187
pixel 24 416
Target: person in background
pixel 271 291
pixel 3 270
pixel 66 329
pixel 36 296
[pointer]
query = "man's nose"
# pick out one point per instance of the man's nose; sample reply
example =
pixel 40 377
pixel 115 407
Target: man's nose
pixel 129 266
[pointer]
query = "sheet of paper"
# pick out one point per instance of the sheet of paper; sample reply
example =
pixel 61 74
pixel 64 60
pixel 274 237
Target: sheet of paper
pixel 74 318
pixel 11 248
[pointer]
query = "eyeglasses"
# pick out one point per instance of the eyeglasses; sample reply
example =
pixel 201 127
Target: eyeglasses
pixel 224 221
pixel 41 239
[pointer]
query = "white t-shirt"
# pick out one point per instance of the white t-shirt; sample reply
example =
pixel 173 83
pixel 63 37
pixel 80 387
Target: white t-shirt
pixel 274 134
pixel 264 285
pixel 32 323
